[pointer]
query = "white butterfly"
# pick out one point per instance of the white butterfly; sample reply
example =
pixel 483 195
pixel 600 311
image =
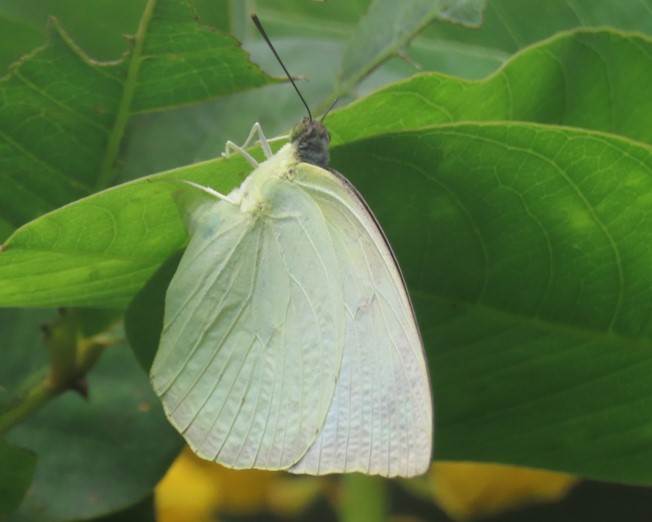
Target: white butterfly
pixel 289 340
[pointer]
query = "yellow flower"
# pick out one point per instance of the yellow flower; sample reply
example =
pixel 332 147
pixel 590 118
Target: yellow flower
pixel 194 490
pixel 468 490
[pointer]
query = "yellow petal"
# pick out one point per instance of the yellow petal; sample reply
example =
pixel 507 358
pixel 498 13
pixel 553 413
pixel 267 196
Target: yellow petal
pixel 466 490
pixel 194 489
pixel 186 492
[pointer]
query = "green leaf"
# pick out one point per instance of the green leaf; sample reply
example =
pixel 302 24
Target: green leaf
pixel 97 27
pixel 99 456
pixel 184 62
pixel 101 250
pixel 144 316
pixel 20 334
pixel 143 511
pixel 60 133
pixel 586 78
pixel 507 26
pixel 388 26
pixel 15 475
pixel 512 25
pixel 532 288
pixel 15 38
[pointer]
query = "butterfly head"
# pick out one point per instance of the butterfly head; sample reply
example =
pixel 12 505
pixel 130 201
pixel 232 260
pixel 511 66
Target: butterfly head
pixel 311 139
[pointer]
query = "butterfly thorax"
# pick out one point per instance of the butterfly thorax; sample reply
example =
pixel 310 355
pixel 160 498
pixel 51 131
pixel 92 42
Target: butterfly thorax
pixel 309 141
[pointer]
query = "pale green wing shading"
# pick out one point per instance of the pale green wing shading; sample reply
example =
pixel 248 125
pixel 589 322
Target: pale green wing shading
pixel 253 331
pixel 380 421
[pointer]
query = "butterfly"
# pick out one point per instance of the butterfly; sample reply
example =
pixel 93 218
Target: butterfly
pixel 289 340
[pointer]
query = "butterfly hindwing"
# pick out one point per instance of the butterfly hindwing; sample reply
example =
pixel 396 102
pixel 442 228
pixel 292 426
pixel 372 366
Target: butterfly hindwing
pixel 380 421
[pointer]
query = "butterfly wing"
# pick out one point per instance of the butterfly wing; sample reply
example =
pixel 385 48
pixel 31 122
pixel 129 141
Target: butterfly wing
pixel 253 331
pixel 380 421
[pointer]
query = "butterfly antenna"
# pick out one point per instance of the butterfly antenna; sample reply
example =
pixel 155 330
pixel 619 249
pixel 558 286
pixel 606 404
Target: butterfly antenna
pixel 262 32
pixel 330 108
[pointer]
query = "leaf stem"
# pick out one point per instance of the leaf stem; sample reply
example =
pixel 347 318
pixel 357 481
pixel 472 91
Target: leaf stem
pixel 35 399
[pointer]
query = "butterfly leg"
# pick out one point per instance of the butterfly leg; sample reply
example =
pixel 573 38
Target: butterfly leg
pixel 256 130
pixel 210 191
pixel 231 148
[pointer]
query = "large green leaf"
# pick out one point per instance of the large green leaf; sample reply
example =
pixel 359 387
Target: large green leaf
pixel 144 315
pixel 532 286
pixel 16 469
pixel 60 133
pixel 100 250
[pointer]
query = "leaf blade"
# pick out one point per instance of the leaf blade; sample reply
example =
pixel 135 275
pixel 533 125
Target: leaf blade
pixel 15 475
pixel 538 336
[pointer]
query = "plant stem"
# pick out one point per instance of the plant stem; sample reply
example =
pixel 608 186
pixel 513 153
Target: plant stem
pixel 72 359
pixel 37 397
pixel 364 499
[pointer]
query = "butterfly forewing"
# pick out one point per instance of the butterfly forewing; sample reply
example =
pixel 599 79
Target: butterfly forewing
pixel 253 331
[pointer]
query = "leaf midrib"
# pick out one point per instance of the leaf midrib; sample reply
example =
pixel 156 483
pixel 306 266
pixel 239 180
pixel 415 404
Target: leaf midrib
pixel 107 172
